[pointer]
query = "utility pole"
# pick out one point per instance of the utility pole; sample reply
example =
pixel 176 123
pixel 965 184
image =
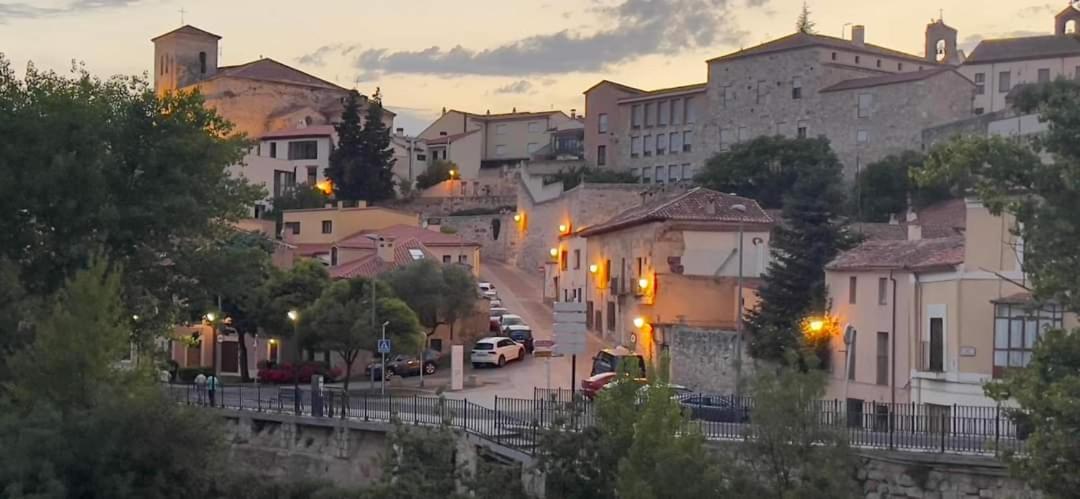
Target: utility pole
pixel 739 305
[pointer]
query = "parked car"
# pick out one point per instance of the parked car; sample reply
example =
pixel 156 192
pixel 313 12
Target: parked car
pixel 715 408
pixel 496 350
pixel 591 386
pixel 495 319
pixel 487 290
pixel 521 334
pixel 404 365
pixel 495 303
pixel 607 360
pixel 511 320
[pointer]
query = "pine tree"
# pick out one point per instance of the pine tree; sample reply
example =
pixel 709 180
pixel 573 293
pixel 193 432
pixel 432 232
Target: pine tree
pixel 794 284
pixel 360 166
pixel 804 24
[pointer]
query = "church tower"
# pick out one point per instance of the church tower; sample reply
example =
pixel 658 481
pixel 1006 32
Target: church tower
pixel 184 56
pixel 1067 22
pixel 941 44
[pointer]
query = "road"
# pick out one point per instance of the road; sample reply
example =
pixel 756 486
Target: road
pixel 521 293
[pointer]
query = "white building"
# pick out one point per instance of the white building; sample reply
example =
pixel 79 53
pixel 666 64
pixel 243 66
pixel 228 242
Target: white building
pixel 285 158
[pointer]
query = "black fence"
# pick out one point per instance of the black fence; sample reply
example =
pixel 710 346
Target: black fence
pixel 518 423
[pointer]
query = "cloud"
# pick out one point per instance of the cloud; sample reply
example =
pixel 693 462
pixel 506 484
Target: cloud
pixel 635 28
pixel 1037 10
pixel 22 10
pixel 517 87
pixel 317 57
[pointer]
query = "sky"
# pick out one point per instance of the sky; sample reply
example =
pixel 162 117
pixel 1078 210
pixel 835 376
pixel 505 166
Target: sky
pixel 480 55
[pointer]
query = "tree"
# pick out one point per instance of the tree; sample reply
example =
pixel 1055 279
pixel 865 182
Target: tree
pixel 295 197
pixel 766 168
pixel 461 297
pixel 804 24
pixel 885 188
pixel 341 321
pixel 110 168
pixel 18 309
pixel 1047 391
pixel 361 167
pixel 810 236
pixel 437 300
pixel 791 454
pixel 287 291
pixel 436 172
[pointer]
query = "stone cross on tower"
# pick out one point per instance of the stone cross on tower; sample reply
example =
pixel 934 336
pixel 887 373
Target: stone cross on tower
pixel 182 11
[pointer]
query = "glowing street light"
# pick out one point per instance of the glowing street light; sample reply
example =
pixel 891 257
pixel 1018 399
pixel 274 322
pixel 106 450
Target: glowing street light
pixel 639 322
pixel 817 325
pixel 554 252
pixel 563 228
pixel 643 283
pixel 593 268
pixel 517 217
pixel 293 315
pixel 210 316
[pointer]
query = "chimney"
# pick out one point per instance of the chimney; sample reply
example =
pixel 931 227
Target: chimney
pixel 444 110
pixel 514 110
pixel 384 249
pixel 400 131
pixel 914 230
pixel 573 113
pixel 858 34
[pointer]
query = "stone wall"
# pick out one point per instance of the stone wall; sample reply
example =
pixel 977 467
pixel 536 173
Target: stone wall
pixel 444 206
pixel 898 475
pixel 492 232
pixel 704 359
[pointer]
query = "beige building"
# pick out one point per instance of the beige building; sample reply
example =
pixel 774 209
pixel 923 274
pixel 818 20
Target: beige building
pixel 671 260
pixel 937 313
pixel 371 252
pixel 315 230
pixel 1000 65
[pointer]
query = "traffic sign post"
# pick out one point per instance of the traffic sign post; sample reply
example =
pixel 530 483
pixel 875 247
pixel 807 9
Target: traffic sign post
pixel 384 346
pixel 570 334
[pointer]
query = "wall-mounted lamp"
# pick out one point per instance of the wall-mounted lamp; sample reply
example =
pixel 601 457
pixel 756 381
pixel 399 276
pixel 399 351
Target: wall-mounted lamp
pixel 554 252
pixel 563 228
pixel 517 217
pixel 639 322
pixel 593 268
pixel 643 283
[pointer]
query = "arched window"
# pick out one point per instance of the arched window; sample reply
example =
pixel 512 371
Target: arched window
pixel 939 52
pixel 202 62
pixel 1070 26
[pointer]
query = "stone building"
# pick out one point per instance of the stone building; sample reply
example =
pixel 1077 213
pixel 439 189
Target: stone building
pixel 259 97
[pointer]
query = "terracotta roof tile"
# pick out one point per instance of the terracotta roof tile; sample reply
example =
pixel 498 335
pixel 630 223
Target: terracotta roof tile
pixel 308 131
pixel 920 254
pixel 696 205
pixel 804 40
pixel 888 79
pixel 426 237
pixel 271 70
pixel 186 29
pixel 371 265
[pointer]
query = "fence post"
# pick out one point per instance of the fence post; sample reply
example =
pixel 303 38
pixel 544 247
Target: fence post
pixel 365 406
pixel 416 408
pixel 944 421
pixel 498 436
pixel 997 428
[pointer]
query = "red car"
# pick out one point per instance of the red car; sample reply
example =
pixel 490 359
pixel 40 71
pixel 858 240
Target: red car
pixel 594 384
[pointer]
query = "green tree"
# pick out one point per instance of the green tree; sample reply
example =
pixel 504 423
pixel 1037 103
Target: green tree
pixel 885 188
pixel 460 300
pixel 421 462
pixel 287 291
pixel 804 24
pixel 296 197
pixel 811 235
pixel 436 172
pixel 18 309
pixel 766 168
pixel 109 167
pixel 341 321
pixel 437 293
pixel 1047 390
pixel 361 165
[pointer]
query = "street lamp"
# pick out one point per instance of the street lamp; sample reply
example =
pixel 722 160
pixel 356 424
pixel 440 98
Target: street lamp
pixel 643 283
pixel 554 252
pixel 593 268
pixel 382 373
pixel 741 209
pixel 293 316
pixel 639 322
pixel 563 228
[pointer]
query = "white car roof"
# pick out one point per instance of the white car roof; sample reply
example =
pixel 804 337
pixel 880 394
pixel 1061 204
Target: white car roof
pixel 519 327
pixel 511 316
pixel 492 339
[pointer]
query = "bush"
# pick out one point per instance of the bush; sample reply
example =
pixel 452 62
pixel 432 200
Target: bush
pixel 188 374
pixel 284 373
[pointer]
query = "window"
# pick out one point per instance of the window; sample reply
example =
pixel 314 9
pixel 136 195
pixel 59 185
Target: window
pixel 852 289
pixel 202 62
pixel 589 315
pixel 980 83
pixel 673 173
pixel 663 109
pixel 292 227
pixel 852 355
pixel 899 66
pixel 936 356
pixel 534 127
pixel 858 59
pixel 303 149
pixel 1076 73
pixel 500 129
pixel 436 344
pixel 687 140
pixel 676 111
pixel 333 255
pixel 977 112
pixel 691 111
pixel 834 56
pixel 601 155
pixel 646 175
pixel 421 157
pixel 865 102
pixel 1016 329
pixel 416 254
pixel 161 67
pixel 648 145
pixel 661 143
pixel 463 258
pixel 635 116
pixel 879 63
pixel 635 147
pixel 532 147
pixel 446 258
pixel 727 96
pixel 862 136
pixel 883 291
pixel 687 174
pixel 283 180
pixel 500 150
pixel 274 352
pixel 744 134
pixel 312 175
pixel 577 259
pixel 1004 82
pixel 564 260
pixel 801 130
pixel 674 143
pixel 273 149
pixel 601 123
pixel 882 358
pixel 611 316
pixel 1044 75
pixel 327 227
pixel 636 173
pixel 796 88
pixel 649 113
pixel 660 177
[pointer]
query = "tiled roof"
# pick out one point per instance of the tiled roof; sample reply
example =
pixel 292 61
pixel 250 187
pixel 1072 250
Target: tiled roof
pixel 804 40
pixel 920 254
pixel 1029 47
pixel 449 138
pixel 666 91
pixel 1021 298
pixel 186 29
pixel 511 116
pixel 889 79
pixel 371 265
pixel 943 219
pixel 271 70
pixel 620 86
pixel 880 231
pixel 308 131
pixel 311 249
pixel 426 237
pixel 696 205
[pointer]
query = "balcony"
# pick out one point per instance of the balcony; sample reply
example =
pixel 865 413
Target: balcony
pixel 930 360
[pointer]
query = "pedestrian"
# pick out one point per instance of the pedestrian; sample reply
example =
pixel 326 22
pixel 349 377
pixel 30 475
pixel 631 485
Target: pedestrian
pixel 200 387
pixel 211 387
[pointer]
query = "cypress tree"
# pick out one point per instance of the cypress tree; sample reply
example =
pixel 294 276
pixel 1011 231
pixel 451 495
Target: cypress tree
pixel 360 166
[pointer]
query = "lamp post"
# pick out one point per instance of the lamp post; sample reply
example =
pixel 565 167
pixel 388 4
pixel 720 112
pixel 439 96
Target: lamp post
pixel 212 318
pixel 741 208
pixel 383 371
pixel 293 317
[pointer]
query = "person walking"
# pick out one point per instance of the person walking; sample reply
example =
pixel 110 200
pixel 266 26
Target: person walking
pixel 211 388
pixel 200 387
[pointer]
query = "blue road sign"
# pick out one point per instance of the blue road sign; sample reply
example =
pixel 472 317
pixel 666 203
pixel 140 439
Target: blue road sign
pixel 384 346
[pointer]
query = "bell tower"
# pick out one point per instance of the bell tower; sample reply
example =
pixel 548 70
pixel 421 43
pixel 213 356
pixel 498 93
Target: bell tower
pixel 184 56
pixel 941 46
pixel 1068 20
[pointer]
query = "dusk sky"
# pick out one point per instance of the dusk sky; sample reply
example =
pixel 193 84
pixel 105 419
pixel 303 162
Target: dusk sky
pixel 479 55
